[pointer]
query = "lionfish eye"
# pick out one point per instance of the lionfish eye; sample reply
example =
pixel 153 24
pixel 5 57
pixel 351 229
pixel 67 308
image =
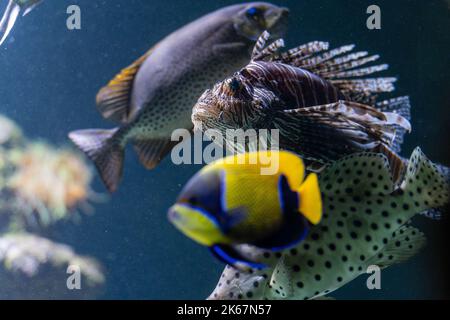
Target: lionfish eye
pixel 234 84
pixel 253 13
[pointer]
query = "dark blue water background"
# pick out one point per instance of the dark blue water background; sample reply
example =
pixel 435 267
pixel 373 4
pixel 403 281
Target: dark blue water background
pixel 49 77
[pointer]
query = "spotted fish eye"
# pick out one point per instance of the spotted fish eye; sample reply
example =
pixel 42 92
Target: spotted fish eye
pixel 253 13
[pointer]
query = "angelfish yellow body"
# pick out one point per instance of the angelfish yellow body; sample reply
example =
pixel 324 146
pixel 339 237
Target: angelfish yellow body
pixel 258 198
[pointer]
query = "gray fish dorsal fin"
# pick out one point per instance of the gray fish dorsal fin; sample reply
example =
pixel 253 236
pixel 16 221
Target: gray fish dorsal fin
pixel 113 100
pixel 357 175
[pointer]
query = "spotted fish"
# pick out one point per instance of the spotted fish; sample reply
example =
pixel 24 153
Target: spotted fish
pixel 155 95
pixel 9 18
pixel 320 101
pixel 365 222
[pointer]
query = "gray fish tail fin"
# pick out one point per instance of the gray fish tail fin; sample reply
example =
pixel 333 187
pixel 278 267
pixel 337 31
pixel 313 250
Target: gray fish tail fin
pixel 104 150
pixel 426 183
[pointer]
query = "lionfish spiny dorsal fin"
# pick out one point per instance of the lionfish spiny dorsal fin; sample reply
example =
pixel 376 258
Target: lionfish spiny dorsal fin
pixel 342 67
pixel 260 44
pixel 261 51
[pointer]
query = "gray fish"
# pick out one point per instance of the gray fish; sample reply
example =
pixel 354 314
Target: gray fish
pixel 12 13
pixel 155 95
pixel 365 222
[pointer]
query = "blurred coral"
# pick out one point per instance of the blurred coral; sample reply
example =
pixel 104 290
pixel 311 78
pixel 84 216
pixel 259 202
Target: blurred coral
pixel 48 181
pixel 39 186
pixel 34 260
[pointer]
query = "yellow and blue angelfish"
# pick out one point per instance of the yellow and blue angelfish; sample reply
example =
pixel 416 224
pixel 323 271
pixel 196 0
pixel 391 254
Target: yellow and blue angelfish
pixel 234 201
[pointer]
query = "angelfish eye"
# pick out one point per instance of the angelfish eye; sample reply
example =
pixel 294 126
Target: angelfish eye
pixel 253 13
pixel 193 201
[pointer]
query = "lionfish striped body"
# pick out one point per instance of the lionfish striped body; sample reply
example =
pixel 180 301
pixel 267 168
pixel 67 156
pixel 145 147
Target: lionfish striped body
pixel 322 107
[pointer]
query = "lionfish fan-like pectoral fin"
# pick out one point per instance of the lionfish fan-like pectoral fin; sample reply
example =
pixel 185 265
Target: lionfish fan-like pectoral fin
pixel 151 152
pixel 234 258
pixel 114 99
pixel 402 107
pixel 107 155
pixel 328 132
pixel 404 244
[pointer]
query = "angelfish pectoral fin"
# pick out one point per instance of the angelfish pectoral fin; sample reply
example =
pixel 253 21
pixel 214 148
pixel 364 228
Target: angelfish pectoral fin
pixel 8 20
pixel 231 256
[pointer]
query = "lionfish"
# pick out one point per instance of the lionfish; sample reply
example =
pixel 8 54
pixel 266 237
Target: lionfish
pixel 319 100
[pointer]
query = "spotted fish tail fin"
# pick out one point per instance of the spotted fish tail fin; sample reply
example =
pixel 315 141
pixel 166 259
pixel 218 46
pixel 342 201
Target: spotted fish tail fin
pixel 438 214
pixel 426 183
pixel 104 149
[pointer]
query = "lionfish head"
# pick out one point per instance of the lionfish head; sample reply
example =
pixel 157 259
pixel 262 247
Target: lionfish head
pixel 227 105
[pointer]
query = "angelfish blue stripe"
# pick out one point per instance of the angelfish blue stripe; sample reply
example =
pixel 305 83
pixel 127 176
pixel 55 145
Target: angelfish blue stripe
pixel 223 202
pixel 232 260
pixel 280 194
